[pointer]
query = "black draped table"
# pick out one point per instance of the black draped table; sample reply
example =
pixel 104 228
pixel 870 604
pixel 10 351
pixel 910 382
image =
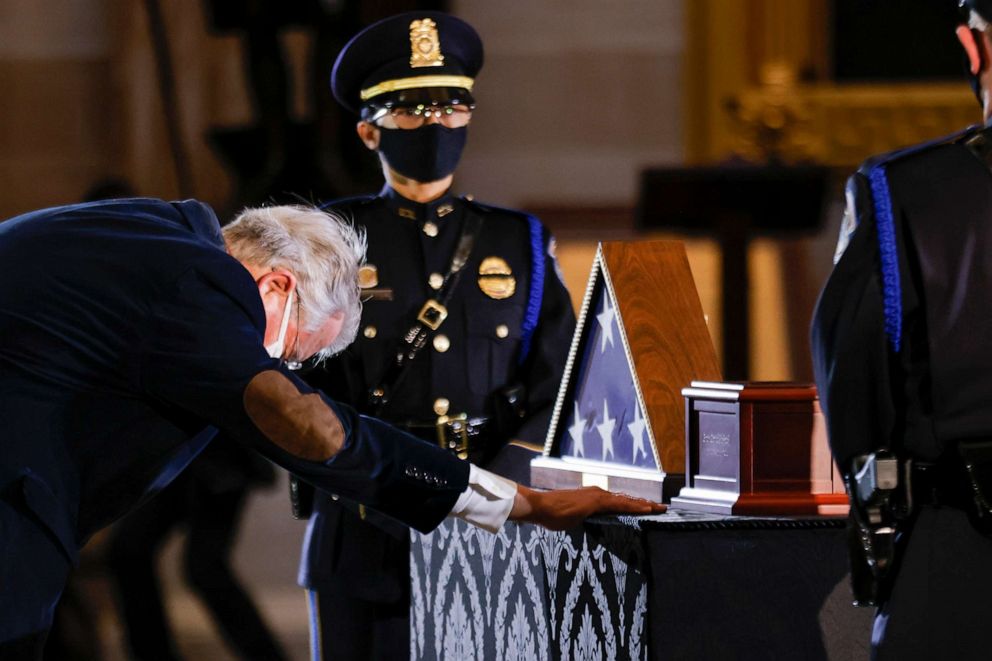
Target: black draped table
pixel 682 585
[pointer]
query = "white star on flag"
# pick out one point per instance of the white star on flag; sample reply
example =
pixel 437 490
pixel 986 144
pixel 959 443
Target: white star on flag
pixel 637 428
pixel 576 430
pixel 606 430
pixel 605 319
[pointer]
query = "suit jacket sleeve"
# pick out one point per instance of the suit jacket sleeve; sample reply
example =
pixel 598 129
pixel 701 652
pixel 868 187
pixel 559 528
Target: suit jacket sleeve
pixel 851 353
pixel 203 345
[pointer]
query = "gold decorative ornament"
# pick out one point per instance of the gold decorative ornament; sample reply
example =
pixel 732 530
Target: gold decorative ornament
pixel 444 210
pixel 502 331
pixel 435 280
pixel 416 82
pixel 370 331
pixel 406 213
pixel 425 45
pixel 368 276
pixel 441 405
pixel 804 115
pixel 430 229
pixel 496 278
pixel 441 343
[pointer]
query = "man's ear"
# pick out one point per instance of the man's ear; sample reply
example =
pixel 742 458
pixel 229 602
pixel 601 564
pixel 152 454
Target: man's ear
pixel 368 134
pixel 975 48
pixel 273 287
pixel 278 281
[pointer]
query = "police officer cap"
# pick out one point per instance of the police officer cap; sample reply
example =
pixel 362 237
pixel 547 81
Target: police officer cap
pixel 415 57
pixel 983 7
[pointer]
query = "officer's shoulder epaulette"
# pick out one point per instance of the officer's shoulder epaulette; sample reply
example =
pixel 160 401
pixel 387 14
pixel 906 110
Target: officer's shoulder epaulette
pixel 348 203
pixel 876 171
pixel 904 153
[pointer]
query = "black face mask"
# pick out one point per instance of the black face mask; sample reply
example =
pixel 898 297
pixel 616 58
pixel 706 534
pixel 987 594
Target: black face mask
pixel 426 154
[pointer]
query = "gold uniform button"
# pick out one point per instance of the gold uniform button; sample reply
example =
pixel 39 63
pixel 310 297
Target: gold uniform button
pixel 430 229
pixel 370 331
pixel 502 331
pixel 441 343
pixel 441 405
pixel 435 280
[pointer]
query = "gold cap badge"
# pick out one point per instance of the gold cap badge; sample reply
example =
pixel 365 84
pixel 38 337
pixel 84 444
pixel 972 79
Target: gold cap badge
pixel 425 46
pixel 496 278
pixel 368 276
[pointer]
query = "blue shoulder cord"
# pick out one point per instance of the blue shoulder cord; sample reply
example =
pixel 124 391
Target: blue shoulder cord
pixel 536 287
pixel 885 224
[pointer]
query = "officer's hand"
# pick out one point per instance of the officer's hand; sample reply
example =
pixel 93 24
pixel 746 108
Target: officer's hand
pixel 560 510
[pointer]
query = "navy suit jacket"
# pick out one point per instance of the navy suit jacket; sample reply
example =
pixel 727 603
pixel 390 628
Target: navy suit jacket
pixel 127 338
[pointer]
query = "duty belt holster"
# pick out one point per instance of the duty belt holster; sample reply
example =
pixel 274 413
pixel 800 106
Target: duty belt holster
pixel 886 493
pixel 879 486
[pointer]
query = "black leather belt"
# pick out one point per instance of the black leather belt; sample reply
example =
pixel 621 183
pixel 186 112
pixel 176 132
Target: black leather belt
pixel 462 434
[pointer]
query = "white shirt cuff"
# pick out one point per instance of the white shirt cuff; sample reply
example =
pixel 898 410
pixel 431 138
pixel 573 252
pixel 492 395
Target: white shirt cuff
pixel 487 501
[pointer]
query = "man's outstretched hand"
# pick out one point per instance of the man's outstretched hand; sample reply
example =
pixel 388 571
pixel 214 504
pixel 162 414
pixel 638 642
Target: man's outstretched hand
pixel 560 510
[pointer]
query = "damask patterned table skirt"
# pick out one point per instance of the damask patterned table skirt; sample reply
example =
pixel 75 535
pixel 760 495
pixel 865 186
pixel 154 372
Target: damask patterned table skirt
pixel 678 586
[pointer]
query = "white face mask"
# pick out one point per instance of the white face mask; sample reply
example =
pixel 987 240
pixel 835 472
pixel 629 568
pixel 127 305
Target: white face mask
pixel 276 348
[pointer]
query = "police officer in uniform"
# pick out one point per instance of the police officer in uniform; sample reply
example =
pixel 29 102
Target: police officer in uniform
pixel 903 364
pixel 472 292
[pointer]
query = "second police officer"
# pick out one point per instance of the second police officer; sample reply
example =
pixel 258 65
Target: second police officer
pixel 904 371
pixel 466 325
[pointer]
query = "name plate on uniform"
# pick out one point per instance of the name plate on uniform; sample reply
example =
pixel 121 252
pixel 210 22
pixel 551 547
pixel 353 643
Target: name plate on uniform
pixel 758 448
pixel 641 335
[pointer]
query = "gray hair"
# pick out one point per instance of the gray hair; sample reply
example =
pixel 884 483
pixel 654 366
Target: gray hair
pixel 976 22
pixel 321 248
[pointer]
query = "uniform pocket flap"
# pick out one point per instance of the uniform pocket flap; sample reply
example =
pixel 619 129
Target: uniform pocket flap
pixel 502 322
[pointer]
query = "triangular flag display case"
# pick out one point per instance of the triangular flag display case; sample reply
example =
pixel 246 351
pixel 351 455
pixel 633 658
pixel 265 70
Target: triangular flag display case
pixel 619 419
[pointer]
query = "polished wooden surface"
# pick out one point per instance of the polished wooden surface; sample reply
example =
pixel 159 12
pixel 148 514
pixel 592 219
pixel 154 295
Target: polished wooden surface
pixel 774 457
pixel 663 325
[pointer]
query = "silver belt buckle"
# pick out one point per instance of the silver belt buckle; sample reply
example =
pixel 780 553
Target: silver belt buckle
pixel 452 433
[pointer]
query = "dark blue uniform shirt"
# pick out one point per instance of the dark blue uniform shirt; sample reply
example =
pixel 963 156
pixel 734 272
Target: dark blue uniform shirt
pixel 509 326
